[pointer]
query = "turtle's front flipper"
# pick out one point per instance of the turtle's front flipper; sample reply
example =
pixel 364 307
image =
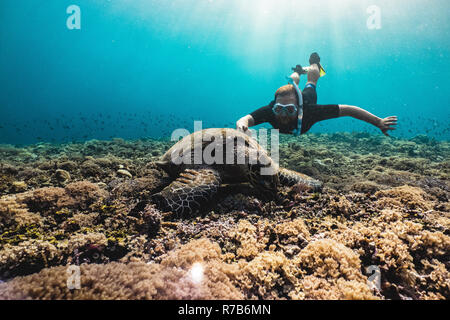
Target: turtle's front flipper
pixel 191 190
pixel 290 178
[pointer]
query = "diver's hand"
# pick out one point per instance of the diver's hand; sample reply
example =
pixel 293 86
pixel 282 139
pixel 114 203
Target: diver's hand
pixel 388 123
pixel 244 129
pixel 244 123
pixel 242 126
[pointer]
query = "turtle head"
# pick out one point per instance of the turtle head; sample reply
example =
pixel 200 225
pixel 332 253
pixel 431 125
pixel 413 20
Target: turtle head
pixel 167 167
pixel 265 179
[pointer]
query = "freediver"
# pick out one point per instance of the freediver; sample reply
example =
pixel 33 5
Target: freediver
pixel 295 112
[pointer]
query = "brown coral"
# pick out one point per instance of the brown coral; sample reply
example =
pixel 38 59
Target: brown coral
pixel 316 288
pixel 12 211
pixel 327 258
pixel 171 279
pixel 249 238
pixel 79 195
pixel 410 197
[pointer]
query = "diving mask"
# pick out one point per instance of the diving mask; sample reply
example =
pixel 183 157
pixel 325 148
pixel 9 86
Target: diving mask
pixel 290 109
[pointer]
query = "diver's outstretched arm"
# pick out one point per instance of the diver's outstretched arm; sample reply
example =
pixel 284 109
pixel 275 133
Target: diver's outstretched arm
pixel 384 125
pixel 244 123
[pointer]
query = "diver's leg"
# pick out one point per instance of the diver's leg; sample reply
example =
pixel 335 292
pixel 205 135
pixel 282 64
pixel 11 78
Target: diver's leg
pixel 296 77
pixel 309 94
pixel 313 74
pixel 314 69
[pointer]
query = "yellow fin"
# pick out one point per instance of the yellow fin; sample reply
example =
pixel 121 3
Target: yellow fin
pixel 322 72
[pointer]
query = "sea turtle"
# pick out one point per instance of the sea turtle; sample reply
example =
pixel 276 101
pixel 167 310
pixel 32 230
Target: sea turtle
pixel 202 161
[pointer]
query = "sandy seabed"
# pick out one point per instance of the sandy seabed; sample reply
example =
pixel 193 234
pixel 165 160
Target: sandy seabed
pixel 379 229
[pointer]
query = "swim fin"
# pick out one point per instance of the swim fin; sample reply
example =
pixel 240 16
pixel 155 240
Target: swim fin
pixel 321 70
pixel 315 59
pixel 298 68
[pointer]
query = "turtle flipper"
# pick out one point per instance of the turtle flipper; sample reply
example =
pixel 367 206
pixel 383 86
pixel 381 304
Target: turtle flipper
pixel 192 189
pixel 290 178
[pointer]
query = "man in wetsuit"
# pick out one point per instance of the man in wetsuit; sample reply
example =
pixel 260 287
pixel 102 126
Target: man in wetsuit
pixel 295 112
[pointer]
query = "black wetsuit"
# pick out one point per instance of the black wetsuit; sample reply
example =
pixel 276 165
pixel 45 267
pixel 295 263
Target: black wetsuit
pixel 312 113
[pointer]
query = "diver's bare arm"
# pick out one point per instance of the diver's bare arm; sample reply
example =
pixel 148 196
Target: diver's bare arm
pixel 244 123
pixel 383 124
pixel 358 113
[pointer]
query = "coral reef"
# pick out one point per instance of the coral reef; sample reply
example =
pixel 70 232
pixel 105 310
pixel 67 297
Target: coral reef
pixel 384 207
pixel 171 279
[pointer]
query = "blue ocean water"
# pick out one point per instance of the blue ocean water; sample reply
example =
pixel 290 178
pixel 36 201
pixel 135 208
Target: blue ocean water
pixel 142 68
